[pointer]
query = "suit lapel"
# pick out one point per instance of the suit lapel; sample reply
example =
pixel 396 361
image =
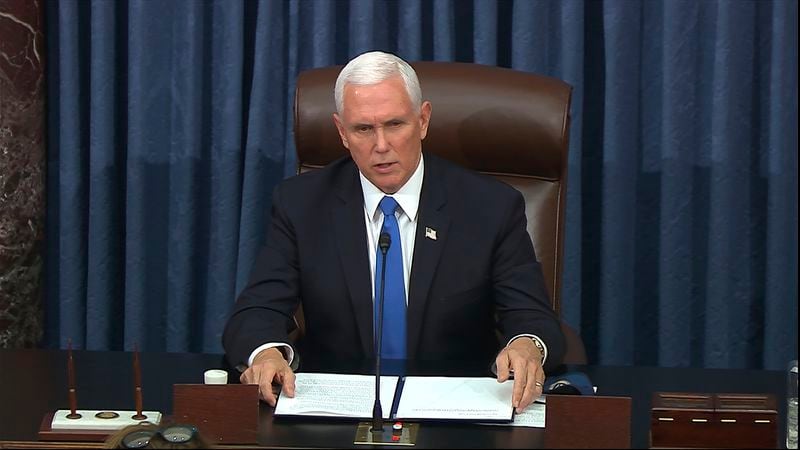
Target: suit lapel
pixel 350 229
pixel 432 228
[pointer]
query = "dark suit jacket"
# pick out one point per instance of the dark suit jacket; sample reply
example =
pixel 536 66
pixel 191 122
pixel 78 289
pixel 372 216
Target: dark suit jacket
pixel 479 275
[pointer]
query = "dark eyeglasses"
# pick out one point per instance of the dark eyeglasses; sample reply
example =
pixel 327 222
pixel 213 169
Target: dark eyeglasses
pixel 176 434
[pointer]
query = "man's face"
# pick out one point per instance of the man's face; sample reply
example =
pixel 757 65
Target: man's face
pixel 383 132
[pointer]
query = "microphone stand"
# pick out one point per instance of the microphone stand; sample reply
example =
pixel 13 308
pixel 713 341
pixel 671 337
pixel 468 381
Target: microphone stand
pixel 372 433
pixel 377 412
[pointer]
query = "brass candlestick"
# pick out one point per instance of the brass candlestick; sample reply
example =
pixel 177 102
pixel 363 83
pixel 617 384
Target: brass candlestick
pixel 137 385
pixel 71 393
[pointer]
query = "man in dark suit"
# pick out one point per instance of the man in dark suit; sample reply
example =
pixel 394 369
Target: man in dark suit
pixel 463 263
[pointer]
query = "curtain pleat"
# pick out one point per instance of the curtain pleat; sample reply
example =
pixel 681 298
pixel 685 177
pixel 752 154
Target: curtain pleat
pixel 620 178
pixel 104 184
pixel 778 101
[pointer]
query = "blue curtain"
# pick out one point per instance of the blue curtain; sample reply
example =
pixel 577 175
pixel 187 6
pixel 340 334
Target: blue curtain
pixel 170 122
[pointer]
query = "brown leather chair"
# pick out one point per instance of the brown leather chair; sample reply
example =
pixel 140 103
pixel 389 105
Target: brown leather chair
pixel 509 124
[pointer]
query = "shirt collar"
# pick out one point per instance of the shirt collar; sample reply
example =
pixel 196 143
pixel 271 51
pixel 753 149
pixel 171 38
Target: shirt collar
pixel 407 196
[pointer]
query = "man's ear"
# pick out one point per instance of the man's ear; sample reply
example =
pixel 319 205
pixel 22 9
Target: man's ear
pixel 424 119
pixel 340 127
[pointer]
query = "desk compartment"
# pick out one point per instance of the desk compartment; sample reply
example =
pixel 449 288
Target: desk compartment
pixel 691 420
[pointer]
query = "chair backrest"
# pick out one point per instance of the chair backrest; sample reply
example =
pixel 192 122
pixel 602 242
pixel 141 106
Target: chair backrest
pixel 509 124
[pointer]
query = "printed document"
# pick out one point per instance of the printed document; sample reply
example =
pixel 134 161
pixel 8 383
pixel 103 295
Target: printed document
pixel 456 398
pixel 337 395
pixel 421 398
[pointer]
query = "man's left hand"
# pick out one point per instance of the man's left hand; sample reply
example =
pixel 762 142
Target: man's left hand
pixel 525 361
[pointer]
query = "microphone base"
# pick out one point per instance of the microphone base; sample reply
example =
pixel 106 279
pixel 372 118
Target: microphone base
pixel 406 437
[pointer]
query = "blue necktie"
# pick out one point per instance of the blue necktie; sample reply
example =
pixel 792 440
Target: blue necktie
pixel 394 303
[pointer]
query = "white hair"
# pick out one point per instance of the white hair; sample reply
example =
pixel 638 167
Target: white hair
pixel 372 68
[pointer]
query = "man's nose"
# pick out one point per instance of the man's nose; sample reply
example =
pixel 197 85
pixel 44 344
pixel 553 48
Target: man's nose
pixel 381 143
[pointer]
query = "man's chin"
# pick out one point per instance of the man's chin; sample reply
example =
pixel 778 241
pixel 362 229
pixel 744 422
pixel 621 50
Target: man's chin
pixel 389 190
pixel 387 183
pixel 388 187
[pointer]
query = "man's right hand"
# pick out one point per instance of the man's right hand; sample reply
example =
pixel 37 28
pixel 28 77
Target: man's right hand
pixel 269 367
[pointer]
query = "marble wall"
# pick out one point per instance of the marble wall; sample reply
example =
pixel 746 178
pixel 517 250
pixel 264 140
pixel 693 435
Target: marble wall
pixel 22 171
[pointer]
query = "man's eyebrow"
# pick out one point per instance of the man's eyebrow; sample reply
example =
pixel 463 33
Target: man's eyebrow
pixel 385 122
pixel 361 124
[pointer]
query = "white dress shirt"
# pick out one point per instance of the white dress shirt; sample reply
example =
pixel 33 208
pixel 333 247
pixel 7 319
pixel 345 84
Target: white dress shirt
pixel 408 199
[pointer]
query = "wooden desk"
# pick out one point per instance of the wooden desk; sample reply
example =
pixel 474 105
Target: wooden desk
pixel 33 382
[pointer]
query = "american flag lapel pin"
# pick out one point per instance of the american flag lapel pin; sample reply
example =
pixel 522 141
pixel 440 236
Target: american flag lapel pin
pixel 430 233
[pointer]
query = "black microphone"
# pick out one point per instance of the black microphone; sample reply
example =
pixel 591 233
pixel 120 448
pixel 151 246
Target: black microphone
pixel 562 387
pixel 384 241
